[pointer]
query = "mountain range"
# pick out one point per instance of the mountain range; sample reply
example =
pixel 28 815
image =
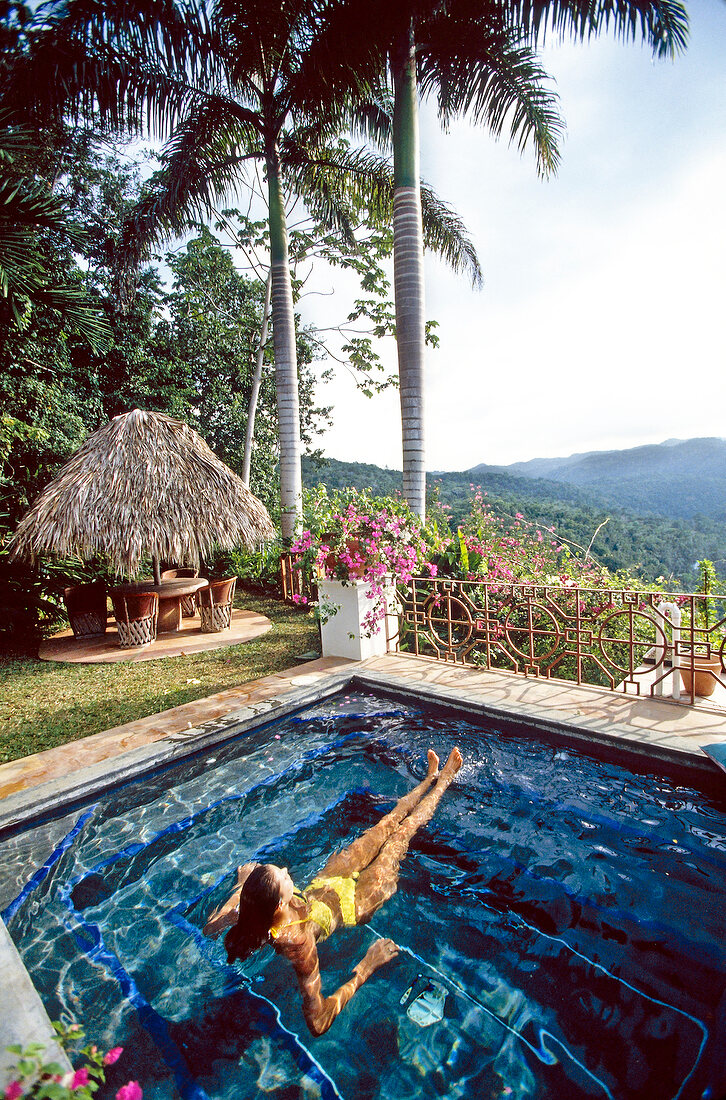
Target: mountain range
pixel 664 505
pixel 680 477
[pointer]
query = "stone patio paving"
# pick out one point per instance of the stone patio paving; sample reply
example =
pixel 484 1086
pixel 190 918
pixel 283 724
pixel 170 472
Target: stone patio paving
pixel 104 648
pixel 679 729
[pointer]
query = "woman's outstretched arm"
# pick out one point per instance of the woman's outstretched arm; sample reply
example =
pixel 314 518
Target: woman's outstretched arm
pixel 225 915
pixel 320 1011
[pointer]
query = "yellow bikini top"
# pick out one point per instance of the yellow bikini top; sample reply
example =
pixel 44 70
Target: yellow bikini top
pixel 322 914
pixel 319 912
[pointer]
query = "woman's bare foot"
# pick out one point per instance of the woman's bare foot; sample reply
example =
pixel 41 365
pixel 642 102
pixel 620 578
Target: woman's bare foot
pixel 452 765
pixel 433 765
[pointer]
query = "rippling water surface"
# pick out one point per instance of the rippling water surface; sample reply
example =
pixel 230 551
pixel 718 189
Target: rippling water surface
pixel 573 911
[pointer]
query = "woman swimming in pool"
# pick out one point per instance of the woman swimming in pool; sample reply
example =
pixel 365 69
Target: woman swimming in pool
pixel 353 885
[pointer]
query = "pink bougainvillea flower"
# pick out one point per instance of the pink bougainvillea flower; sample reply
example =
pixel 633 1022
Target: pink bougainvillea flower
pixel 13 1090
pixel 80 1078
pixel 131 1091
pixel 112 1056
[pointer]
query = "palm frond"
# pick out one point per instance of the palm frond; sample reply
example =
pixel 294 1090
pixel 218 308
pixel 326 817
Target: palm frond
pixel 26 207
pixel 445 233
pixel 201 164
pixel 372 119
pixel 123 67
pixel 477 67
pixel 79 312
pixel 334 61
pixel 360 181
pixel 662 24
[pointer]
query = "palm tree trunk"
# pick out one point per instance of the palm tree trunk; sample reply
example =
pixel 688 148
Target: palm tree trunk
pixel 256 382
pixel 283 331
pixel 408 271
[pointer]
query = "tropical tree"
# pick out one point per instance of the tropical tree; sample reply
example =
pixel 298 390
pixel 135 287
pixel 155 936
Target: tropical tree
pixel 30 217
pixel 475 57
pixel 263 82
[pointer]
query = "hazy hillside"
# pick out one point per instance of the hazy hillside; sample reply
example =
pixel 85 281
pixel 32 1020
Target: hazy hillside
pixel 682 478
pixel 654 545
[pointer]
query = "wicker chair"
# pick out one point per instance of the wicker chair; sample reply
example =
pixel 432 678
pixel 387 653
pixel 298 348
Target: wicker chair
pixel 188 603
pixel 136 616
pixel 87 609
pixel 215 605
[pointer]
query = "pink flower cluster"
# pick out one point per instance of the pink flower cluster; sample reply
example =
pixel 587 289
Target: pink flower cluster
pixel 509 549
pixel 82 1082
pixel 371 544
pixel 72 1081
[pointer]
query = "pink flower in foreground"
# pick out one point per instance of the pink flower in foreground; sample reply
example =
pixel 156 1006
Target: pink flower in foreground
pixel 112 1056
pixel 131 1091
pixel 13 1090
pixel 80 1078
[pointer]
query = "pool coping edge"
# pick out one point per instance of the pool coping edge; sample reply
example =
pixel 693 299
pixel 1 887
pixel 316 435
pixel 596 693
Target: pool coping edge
pixel 28 1022
pixel 28 805
pixel 618 737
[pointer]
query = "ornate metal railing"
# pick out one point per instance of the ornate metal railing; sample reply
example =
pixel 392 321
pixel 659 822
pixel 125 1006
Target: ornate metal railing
pixel 643 643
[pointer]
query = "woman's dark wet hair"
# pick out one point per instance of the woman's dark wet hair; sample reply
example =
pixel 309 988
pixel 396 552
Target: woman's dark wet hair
pixel 257 905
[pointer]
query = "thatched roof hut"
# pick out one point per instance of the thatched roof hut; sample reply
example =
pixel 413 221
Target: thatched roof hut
pixel 145 484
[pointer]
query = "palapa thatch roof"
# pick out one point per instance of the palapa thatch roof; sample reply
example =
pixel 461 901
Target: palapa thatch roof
pixel 144 485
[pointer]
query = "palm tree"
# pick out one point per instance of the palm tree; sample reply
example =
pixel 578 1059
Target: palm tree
pixel 476 57
pixel 474 64
pixel 262 83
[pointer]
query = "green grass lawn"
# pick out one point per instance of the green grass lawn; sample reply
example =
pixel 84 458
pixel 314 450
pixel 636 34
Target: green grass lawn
pixel 47 703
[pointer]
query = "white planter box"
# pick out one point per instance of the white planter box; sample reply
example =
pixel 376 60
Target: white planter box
pixel 342 634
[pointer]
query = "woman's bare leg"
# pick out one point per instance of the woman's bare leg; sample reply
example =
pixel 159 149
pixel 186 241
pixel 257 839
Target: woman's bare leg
pixel 379 881
pixel 365 849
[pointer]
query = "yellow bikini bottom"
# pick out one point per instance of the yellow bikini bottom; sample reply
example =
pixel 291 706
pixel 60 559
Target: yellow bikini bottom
pixel 344 887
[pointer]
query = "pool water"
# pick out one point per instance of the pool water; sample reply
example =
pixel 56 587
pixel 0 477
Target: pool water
pixel 571 910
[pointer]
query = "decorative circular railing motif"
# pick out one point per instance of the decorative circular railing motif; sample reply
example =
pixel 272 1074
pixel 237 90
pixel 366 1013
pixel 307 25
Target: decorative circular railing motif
pixel 626 637
pixel 451 620
pixel 536 627
pixel 616 639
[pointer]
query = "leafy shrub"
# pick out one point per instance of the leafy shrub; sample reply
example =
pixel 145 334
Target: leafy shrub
pixel 33 1077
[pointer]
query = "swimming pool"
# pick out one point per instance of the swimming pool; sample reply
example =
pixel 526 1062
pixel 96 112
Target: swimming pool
pixel 571 910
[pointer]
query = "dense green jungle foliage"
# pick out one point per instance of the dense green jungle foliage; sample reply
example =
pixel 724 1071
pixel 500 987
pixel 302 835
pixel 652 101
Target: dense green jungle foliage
pixel 184 342
pixel 650 545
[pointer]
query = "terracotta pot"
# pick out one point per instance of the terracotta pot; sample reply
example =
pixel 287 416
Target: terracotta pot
pixel 704 684
pixel 355 546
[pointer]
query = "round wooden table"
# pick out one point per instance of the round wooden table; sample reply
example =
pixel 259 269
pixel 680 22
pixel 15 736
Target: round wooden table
pixel 170 595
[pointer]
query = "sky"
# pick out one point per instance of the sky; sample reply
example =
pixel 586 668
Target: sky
pixel 602 320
